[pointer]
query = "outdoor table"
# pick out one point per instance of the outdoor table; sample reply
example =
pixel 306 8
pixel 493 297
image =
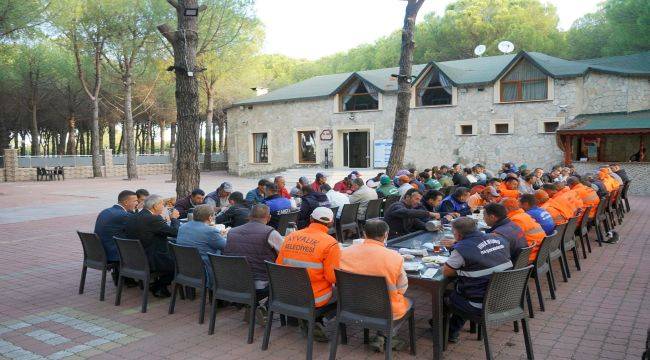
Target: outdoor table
pixel 436 285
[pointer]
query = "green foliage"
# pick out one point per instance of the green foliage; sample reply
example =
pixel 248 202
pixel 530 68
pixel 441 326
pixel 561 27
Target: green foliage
pixel 19 17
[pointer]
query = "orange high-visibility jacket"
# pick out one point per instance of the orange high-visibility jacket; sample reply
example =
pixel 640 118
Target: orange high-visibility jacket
pixel 373 258
pixel 319 253
pixel 610 183
pixel 569 201
pixel 588 196
pixel 532 230
pixel 554 208
pixel 506 193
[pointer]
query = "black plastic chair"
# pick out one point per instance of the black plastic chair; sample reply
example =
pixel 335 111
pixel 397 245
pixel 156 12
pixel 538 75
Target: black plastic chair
pixel 134 265
pixel 59 173
pixel 348 221
pixel 374 209
pixel 94 258
pixel 557 253
pixel 291 295
pixel 626 188
pixel 389 201
pixel 364 301
pixel 618 205
pixel 332 230
pixel 569 243
pixel 597 221
pixel 610 211
pixel 521 262
pixel 503 302
pixel 542 265
pixel 190 273
pixel 582 232
pixel 285 219
pixel 233 281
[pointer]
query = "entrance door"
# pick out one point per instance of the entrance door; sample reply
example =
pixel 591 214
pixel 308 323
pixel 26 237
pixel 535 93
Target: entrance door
pixel 356 149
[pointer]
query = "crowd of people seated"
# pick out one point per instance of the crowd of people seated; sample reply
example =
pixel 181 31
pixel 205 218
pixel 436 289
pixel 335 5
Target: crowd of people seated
pixel 520 207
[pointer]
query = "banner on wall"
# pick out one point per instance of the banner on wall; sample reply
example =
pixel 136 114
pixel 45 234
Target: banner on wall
pixel 382 153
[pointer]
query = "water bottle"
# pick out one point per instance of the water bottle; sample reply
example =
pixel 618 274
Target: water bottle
pixel 291 227
pixel 190 215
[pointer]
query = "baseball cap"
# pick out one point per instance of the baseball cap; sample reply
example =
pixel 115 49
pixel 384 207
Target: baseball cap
pixel 227 187
pixel 402 172
pixel 355 173
pixel 384 180
pixel 303 180
pixel 322 214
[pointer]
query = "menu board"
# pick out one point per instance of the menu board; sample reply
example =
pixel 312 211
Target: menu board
pixel 382 153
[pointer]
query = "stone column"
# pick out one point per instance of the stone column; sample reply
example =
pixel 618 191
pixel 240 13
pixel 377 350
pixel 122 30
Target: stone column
pixel 11 164
pixel 108 162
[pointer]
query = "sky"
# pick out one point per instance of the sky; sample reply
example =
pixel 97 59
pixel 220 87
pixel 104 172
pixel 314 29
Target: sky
pixel 311 29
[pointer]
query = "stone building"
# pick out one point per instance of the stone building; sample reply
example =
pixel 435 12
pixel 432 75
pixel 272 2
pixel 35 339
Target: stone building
pixel 489 110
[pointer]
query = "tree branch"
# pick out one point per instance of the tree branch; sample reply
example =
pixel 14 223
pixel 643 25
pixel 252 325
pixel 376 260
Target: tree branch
pixel 173 3
pixel 167 31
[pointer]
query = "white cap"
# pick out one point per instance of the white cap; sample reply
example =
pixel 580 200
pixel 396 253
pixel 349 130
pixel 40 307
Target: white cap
pixel 323 214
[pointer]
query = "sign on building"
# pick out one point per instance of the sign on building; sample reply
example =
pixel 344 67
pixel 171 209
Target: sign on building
pixel 382 153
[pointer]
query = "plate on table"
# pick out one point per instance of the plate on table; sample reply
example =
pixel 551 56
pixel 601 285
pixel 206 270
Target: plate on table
pixel 413 266
pixel 435 259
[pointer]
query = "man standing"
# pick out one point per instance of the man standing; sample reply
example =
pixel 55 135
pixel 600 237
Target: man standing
pixel 405 216
pixel 277 204
pixel 112 222
pixel 256 196
pixel 149 227
pixel 188 203
pixel 528 202
pixel 496 217
pixel 473 260
pixel 533 231
pixel 456 203
pixel 362 194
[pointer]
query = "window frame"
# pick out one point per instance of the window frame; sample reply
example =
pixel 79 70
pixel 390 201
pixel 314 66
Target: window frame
pixel 341 102
pixel 299 160
pixel 459 128
pixel 519 84
pixel 254 153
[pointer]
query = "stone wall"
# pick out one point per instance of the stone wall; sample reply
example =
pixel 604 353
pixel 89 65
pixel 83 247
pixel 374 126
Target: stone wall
pixel 610 93
pixel 639 173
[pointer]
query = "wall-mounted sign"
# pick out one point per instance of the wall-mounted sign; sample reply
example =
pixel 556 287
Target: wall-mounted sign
pixel 326 135
pixel 382 153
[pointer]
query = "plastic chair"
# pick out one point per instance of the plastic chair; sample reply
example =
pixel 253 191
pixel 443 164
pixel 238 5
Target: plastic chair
pixel 285 219
pixel 364 301
pixel 190 273
pixel 597 220
pixel 374 209
pixel 94 258
pixel 291 295
pixel 626 188
pixel 233 281
pixel 332 229
pixel 582 232
pixel 542 265
pixel 618 205
pixel 389 201
pixel 503 302
pixel 348 221
pixel 569 243
pixel 557 253
pixel 134 265
pixel 520 263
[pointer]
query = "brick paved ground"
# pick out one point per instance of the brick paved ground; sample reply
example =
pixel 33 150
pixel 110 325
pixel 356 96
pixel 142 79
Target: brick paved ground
pixel 603 312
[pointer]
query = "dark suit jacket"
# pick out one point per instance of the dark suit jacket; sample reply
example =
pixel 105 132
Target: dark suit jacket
pixel 236 215
pixel 153 231
pixel 111 222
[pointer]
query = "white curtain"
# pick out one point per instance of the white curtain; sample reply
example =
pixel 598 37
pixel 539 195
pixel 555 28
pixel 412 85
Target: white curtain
pixel 530 90
pixel 534 90
pixel 354 88
pixel 424 84
pixel 509 91
pixel 444 81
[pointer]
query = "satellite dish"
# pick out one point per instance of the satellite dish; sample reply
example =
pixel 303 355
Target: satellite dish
pixel 479 50
pixel 506 47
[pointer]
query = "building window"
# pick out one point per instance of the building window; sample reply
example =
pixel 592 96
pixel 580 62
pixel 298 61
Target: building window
pixel 307 147
pixel 466 130
pixel 551 126
pixel 260 144
pixel 525 82
pixel 360 96
pixel 501 129
pixel 434 89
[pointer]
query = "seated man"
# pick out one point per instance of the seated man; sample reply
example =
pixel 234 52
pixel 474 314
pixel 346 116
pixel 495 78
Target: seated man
pixel 281 184
pixel 337 199
pixel 373 258
pixel 344 186
pixel 431 200
pixel 456 203
pixel 320 180
pixel 386 187
pixel 487 195
pixel 188 203
pixel 219 198
pixel 362 194
pixel 406 215
pixel 278 205
pixel 510 187
pixel 199 234
pixel 296 191
pixel 150 228
pixel 256 196
pixel 312 248
pixel 404 184
pixel 258 242
pixel 587 195
pixel 528 202
pixel 142 196
pixel 310 201
pixel 473 260
pixel 533 231
pixel 565 203
pixel 551 206
pixel 237 213
pixel 430 182
pixel 496 217
pixel 112 222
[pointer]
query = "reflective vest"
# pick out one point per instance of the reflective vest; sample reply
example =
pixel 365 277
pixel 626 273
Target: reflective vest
pixel 373 258
pixel 589 197
pixel 557 214
pixel 543 218
pixel 482 255
pixel 532 230
pixel 319 253
pixel 566 203
pixel 506 193
pixel 610 183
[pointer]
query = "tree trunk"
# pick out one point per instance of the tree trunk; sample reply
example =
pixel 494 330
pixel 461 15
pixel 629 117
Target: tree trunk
pixel 72 136
pixel 82 144
pixel 97 162
pixel 172 141
pixel 400 129
pixel 120 146
pixel 185 42
pixel 131 167
pixel 152 135
pixel 4 136
pixel 35 148
pixel 23 150
pixel 16 135
pixel 161 124
pixel 111 137
pixel 62 144
pixel 209 113
pixel 214 137
pixel 89 142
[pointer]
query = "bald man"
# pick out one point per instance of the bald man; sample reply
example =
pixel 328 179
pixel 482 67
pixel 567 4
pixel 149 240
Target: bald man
pixel 550 205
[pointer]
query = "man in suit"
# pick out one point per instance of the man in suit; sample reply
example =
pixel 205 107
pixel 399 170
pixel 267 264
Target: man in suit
pixel 150 228
pixel 112 222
